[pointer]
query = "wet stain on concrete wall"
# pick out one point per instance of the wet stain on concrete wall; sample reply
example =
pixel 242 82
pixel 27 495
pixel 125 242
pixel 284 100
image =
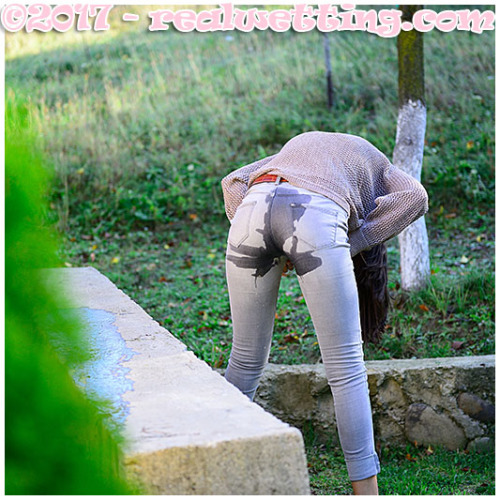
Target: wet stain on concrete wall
pixel 102 376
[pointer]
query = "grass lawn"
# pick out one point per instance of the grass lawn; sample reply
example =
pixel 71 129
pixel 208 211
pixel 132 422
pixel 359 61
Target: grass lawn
pixel 408 471
pixel 179 278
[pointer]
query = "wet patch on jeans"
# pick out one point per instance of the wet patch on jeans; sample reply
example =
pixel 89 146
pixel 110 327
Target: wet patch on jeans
pixel 304 261
pixel 274 235
pixel 261 258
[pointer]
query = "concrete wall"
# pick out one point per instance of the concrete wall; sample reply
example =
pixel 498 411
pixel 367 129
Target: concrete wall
pixel 442 401
pixel 188 431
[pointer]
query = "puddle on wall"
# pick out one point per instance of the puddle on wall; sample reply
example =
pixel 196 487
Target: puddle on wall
pixel 103 377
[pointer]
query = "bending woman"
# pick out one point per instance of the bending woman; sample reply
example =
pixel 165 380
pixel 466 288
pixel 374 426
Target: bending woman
pixel 323 199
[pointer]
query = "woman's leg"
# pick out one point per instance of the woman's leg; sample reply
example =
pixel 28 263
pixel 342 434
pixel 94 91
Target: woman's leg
pixel 367 486
pixel 253 271
pixel 331 296
pixel 332 299
pixel 253 308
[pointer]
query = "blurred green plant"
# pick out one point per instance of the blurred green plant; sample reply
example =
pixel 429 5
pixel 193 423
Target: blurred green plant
pixel 56 442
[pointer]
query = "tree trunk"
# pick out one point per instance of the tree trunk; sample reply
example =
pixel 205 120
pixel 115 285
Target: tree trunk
pixel 409 149
pixel 328 65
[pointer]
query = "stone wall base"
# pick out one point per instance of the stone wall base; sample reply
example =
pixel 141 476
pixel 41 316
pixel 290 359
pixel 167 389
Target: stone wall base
pixel 442 402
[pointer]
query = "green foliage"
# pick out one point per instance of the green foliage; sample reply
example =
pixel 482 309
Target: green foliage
pixel 451 317
pixel 408 471
pixel 56 442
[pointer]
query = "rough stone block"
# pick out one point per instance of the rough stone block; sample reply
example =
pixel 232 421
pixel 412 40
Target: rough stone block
pixel 425 426
pixel 476 407
pixel 301 396
pixel 239 466
pixel 481 445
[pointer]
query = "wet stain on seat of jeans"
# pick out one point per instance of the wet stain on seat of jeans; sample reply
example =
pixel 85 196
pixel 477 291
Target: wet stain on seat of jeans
pixel 262 258
pixel 279 226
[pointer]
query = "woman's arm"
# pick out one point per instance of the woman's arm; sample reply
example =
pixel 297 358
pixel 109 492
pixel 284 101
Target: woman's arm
pixel 235 185
pixel 406 200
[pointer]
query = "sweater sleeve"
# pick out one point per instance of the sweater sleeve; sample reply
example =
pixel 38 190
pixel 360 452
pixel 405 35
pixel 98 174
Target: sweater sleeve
pixel 235 185
pixel 406 200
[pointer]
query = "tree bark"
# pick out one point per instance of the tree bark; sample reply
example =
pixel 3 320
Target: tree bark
pixel 409 149
pixel 328 65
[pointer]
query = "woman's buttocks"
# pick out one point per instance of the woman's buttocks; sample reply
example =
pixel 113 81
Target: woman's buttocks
pixel 309 220
pixel 276 220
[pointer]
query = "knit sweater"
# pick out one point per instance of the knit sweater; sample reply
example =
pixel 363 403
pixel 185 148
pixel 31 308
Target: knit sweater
pixel 380 199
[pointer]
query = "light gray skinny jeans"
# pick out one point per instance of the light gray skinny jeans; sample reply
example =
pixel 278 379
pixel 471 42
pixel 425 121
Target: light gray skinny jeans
pixel 279 221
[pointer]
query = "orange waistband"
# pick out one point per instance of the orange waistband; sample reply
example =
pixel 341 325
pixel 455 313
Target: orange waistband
pixel 268 178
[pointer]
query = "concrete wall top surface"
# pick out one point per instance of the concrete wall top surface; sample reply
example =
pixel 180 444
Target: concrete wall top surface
pixel 179 403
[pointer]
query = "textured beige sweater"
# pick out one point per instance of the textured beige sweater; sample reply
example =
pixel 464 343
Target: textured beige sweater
pixel 381 200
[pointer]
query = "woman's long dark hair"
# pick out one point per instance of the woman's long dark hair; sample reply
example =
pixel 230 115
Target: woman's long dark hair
pixel 370 269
